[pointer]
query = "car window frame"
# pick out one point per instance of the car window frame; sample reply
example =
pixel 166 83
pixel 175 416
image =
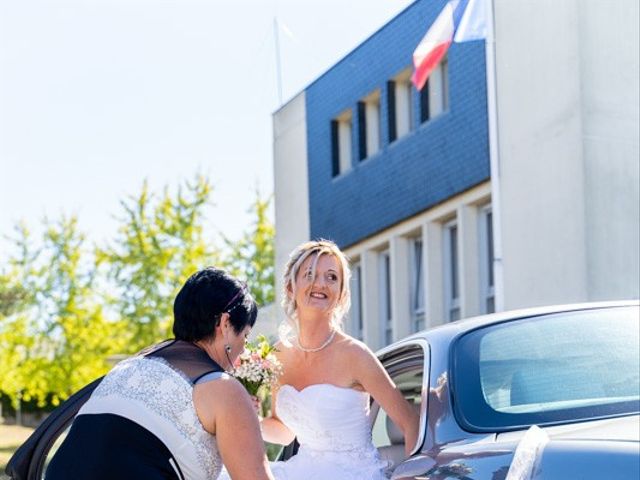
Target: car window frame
pixel 387 353
pixel 458 412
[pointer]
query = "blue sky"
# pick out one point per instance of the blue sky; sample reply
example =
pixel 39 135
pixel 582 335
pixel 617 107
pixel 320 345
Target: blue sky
pixel 98 95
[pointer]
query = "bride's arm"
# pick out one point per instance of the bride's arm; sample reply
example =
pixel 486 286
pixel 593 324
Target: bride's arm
pixel 370 373
pixel 273 430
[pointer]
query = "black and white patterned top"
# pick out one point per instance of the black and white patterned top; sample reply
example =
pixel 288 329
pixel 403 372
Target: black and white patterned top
pixel 141 421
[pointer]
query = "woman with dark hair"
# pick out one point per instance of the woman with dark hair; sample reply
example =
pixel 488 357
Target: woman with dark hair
pixel 172 412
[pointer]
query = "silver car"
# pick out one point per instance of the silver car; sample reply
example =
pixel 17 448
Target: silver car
pixel 548 394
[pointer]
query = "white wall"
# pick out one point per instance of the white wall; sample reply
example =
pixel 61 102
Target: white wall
pixel 291 184
pixel 568 146
pixel 610 69
pixel 267 323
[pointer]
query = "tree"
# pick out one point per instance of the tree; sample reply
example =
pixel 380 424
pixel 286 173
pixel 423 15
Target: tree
pixel 55 339
pixel 12 295
pixel 17 332
pixel 79 338
pixel 159 244
pixel 66 308
pixel 253 256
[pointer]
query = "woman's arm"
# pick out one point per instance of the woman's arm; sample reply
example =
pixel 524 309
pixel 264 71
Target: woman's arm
pixel 225 409
pixel 273 430
pixel 370 373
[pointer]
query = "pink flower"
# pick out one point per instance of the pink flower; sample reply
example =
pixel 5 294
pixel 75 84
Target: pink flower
pixel 257 367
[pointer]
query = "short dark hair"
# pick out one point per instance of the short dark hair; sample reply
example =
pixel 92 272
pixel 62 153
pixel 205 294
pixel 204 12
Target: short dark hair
pixel 202 300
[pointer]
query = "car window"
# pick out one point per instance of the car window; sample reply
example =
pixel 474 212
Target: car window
pixel 410 384
pixel 553 368
pixel 379 431
pixel 406 366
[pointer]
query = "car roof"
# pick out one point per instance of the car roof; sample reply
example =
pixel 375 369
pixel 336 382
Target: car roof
pixel 457 327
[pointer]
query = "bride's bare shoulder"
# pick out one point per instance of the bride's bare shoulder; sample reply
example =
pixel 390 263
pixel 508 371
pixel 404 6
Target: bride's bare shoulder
pixel 353 346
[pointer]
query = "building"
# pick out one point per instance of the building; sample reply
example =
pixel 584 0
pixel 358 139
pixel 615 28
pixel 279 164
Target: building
pixel 402 179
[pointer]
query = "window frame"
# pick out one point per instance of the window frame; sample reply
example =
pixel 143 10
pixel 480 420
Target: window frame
pixel 429 109
pixel 342 143
pixel 459 383
pixel 369 125
pixel 486 258
pixel 451 267
pixel 385 304
pixel 356 317
pixel 400 112
pixel 417 284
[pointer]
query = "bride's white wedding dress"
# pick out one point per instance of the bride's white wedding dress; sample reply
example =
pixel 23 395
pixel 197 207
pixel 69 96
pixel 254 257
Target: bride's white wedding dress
pixel 333 428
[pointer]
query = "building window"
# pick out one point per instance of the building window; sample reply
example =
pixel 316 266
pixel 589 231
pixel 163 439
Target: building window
pixel 487 289
pixel 369 125
pixel 434 97
pixel 341 128
pixel 385 297
pixel 357 325
pixel 417 286
pixel 399 96
pixel 451 268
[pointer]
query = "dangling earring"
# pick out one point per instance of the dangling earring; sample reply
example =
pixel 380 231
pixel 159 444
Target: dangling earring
pixel 227 350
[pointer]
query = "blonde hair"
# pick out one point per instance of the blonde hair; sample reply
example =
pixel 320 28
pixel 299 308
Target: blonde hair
pixel 290 328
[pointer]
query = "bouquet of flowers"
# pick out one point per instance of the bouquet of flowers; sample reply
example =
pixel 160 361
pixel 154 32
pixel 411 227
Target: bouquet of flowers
pixel 257 366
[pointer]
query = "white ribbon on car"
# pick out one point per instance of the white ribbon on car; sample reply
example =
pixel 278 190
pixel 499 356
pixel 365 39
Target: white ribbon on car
pixel 527 454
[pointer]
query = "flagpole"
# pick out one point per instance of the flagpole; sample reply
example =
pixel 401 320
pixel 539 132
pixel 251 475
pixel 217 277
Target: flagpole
pixel 278 65
pixel 494 159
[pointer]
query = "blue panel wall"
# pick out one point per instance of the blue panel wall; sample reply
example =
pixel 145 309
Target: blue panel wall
pixel 438 159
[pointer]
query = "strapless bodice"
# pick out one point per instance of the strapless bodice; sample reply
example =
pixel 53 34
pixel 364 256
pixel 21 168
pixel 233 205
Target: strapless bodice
pixel 333 427
pixel 325 416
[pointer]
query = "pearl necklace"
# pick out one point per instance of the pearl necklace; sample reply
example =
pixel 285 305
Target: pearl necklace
pixel 317 349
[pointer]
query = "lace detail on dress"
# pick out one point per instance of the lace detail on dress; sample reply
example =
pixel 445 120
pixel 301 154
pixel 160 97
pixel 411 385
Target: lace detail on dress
pixel 167 393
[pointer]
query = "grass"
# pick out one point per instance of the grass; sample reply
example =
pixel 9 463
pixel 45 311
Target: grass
pixel 11 437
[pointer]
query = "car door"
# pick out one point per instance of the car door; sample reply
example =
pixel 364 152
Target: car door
pixel 407 363
pixel 29 462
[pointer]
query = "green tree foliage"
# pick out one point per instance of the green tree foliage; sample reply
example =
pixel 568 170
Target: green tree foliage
pixel 67 309
pixel 160 243
pixel 253 257
pixel 80 338
pixel 12 296
pixel 17 300
pixel 56 338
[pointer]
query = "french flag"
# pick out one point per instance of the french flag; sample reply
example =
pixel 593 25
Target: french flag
pixel 459 21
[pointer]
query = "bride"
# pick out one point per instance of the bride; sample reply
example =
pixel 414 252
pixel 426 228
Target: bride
pixel 324 393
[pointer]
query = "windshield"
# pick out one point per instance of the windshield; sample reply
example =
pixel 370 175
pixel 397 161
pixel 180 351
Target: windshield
pixel 549 369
